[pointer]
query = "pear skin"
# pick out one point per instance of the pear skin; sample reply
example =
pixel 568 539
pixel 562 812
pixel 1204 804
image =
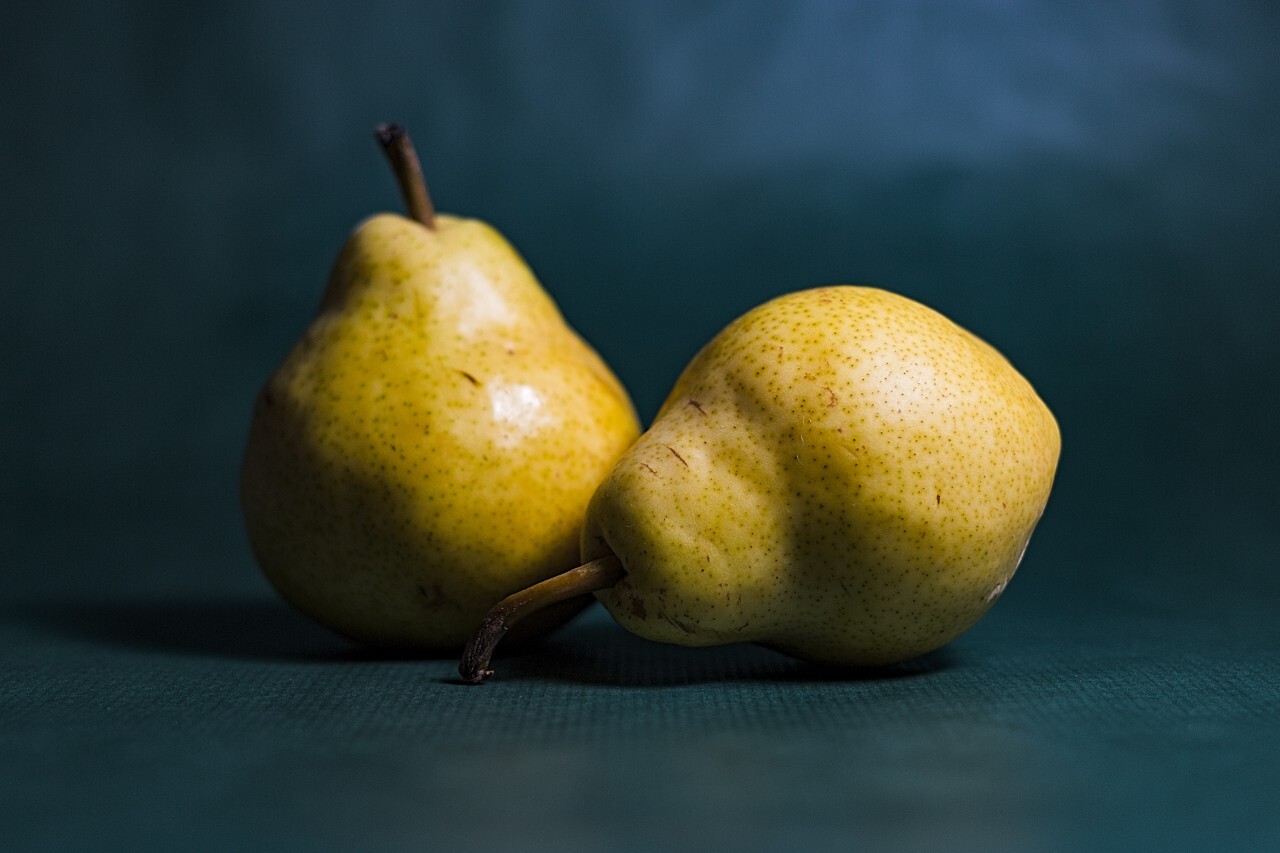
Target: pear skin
pixel 842 474
pixel 431 443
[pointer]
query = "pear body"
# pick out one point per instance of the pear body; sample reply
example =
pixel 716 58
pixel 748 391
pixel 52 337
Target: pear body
pixel 842 474
pixel 431 443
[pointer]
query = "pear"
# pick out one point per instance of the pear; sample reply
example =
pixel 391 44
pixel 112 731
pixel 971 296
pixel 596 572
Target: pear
pixel 842 474
pixel 431 443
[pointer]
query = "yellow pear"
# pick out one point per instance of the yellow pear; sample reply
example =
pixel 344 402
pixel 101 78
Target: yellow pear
pixel 431 443
pixel 842 474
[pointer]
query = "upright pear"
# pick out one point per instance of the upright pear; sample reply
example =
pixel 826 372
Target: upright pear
pixel 842 474
pixel 431 443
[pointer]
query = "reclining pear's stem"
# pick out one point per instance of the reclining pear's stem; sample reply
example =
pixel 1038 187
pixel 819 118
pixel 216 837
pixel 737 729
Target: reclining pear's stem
pixel 598 574
pixel 395 143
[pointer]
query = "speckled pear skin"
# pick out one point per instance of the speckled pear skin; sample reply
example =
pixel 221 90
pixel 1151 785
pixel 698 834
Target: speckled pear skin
pixel 432 442
pixel 842 474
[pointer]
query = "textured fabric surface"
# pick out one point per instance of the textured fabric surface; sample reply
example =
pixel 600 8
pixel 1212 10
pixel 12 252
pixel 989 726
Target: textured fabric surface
pixel 1091 186
pixel 234 724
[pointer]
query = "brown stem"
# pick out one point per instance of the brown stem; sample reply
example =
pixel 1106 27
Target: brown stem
pixel 395 143
pixel 598 574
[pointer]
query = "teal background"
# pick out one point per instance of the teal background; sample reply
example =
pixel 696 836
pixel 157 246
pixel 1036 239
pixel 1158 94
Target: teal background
pixel 1091 186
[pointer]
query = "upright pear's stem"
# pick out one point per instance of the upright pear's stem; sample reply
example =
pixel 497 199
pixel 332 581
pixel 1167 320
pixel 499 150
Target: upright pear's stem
pixel 395 143
pixel 598 574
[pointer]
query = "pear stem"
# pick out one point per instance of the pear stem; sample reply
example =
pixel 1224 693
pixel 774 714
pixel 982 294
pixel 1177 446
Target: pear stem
pixel 598 574
pixel 395 143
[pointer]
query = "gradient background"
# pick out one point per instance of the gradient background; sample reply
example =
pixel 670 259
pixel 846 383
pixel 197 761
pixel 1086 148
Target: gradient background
pixel 1093 187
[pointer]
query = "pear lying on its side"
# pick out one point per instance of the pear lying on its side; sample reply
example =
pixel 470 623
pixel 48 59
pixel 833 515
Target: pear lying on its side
pixel 431 443
pixel 842 474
